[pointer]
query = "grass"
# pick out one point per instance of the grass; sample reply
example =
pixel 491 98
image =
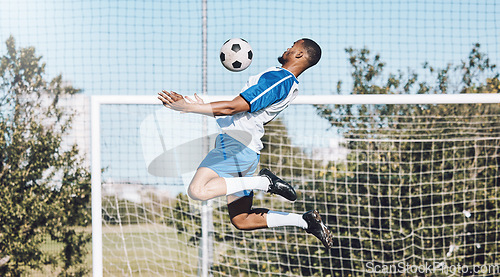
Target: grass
pixel 136 250
pixel 145 250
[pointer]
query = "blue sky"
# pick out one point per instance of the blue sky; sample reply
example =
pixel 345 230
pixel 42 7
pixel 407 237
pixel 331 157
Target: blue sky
pixel 140 47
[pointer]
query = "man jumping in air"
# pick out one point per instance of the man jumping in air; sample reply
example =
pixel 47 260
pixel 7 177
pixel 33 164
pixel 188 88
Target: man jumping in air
pixel 228 169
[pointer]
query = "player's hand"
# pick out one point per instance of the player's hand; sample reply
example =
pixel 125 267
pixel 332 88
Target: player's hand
pixel 174 101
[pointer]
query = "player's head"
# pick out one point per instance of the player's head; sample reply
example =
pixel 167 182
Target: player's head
pixel 305 51
pixel 313 51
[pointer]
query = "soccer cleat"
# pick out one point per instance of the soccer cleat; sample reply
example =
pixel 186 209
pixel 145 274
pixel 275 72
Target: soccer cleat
pixel 316 227
pixel 279 186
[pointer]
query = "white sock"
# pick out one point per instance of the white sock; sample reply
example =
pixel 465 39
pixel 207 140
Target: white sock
pixel 278 219
pixel 237 184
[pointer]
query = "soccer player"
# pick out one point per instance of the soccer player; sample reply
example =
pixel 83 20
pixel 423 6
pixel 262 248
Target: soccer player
pixel 228 169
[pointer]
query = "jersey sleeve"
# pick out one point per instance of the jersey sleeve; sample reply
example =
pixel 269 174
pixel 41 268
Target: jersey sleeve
pixel 272 87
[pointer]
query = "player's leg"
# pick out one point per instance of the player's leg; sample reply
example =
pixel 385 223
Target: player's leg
pixel 220 173
pixel 310 221
pixel 242 216
pixel 207 184
pixel 215 175
pixel 266 181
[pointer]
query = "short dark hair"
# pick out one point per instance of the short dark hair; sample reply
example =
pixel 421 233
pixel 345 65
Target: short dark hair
pixel 313 51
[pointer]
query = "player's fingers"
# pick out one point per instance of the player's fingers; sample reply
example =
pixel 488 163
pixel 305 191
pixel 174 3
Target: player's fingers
pixel 172 98
pixel 189 99
pixel 198 98
pixel 164 93
pixel 167 95
pixel 175 96
pixel 163 97
pixel 165 103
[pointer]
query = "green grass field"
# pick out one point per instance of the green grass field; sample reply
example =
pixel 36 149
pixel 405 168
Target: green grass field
pixel 156 252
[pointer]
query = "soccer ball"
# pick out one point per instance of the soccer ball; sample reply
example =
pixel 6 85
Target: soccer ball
pixel 236 54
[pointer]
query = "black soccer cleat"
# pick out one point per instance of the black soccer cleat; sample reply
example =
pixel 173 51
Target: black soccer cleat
pixel 316 227
pixel 279 186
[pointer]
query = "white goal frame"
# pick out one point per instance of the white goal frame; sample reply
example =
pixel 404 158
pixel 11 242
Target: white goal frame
pixel 97 101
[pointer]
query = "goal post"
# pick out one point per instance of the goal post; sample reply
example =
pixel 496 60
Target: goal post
pixel 375 190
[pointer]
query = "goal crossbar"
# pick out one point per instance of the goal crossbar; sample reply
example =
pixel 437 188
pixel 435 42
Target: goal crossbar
pixel 361 99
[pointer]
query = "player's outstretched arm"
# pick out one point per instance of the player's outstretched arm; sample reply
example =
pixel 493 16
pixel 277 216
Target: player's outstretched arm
pixel 177 102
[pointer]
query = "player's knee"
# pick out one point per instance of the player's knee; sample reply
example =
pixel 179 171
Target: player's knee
pixel 196 193
pixel 193 194
pixel 240 222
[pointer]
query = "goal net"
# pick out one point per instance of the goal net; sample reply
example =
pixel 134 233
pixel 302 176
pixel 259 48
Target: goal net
pixel 405 188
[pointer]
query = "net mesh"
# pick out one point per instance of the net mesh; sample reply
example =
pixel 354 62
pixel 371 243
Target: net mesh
pixel 411 193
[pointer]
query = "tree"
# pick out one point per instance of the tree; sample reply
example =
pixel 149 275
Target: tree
pixel 45 188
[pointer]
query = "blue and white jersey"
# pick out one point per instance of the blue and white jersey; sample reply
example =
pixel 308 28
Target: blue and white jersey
pixel 268 94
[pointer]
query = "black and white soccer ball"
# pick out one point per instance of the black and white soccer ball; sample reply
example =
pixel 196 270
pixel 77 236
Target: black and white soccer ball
pixel 236 54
